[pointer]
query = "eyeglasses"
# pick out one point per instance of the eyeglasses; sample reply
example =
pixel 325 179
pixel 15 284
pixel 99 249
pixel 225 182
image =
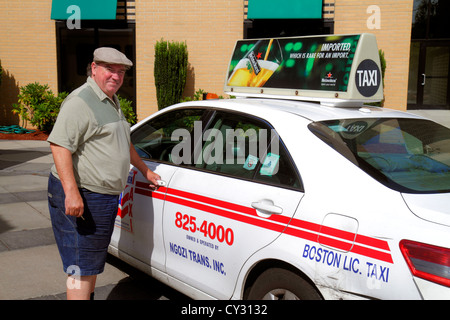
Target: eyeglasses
pixel 121 72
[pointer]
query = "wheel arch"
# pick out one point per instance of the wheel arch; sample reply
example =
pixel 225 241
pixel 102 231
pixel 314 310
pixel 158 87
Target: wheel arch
pixel 263 265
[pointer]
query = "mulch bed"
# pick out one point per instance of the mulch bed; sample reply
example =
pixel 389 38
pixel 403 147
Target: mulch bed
pixel 36 135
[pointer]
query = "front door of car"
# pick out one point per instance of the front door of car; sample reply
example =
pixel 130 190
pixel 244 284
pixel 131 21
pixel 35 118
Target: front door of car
pixel 237 198
pixel 138 228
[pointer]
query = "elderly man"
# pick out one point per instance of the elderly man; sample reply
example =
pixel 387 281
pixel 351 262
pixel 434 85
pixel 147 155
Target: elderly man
pixel 92 151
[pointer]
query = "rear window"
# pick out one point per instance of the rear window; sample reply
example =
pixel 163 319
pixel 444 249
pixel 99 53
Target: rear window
pixel 408 155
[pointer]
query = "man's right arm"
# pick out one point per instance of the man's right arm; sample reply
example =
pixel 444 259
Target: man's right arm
pixel 64 166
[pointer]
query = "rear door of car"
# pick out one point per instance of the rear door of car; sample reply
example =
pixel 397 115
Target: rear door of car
pixel 236 198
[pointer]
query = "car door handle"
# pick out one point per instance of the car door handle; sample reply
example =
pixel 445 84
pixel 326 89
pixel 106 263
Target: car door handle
pixel 267 207
pixel 161 183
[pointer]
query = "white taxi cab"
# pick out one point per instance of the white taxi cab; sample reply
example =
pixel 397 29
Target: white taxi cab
pixel 268 196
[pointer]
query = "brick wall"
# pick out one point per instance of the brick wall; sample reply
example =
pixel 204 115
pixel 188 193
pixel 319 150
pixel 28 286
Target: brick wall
pixel 210 29
pixel 393 37
pixel 27 50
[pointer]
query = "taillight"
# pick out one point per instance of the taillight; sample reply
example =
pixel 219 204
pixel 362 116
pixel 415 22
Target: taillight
pixel 426 261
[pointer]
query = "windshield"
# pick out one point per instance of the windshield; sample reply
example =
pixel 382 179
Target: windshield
pixel 408 155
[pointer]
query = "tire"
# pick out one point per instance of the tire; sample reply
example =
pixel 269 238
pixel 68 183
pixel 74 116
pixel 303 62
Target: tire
pixel 282 284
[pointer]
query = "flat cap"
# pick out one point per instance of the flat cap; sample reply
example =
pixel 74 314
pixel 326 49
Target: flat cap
pixel 112 56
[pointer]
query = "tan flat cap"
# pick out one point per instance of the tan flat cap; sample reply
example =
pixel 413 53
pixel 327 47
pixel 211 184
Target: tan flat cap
pixel 112 56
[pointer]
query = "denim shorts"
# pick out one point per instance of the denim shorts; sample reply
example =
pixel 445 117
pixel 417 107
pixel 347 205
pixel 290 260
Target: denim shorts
pixel 82 243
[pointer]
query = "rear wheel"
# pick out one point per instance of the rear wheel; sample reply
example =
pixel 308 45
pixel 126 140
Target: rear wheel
pixel 282 284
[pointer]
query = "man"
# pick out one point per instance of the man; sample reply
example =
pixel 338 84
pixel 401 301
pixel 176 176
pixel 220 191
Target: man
pixel 92 151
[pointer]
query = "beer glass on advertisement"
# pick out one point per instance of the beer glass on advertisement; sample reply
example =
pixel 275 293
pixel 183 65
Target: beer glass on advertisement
pixel 258 64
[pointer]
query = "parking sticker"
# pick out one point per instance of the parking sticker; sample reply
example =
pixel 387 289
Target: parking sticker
pixel 270 164
pixel 250 162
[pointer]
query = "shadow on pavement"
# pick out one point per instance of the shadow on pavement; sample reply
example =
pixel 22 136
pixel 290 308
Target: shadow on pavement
pixel 9 158
pixel 138 286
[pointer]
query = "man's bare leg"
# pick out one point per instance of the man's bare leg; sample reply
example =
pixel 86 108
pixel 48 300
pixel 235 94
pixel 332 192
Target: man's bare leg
pixel 80 287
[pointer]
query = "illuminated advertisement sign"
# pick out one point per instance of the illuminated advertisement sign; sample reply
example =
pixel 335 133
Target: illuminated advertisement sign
pixel 332 66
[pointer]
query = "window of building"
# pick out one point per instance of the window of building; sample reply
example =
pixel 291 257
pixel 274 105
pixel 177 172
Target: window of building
pixel 77 42
pixel 429 71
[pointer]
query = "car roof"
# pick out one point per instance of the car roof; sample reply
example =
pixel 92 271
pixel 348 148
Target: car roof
pixel 308 110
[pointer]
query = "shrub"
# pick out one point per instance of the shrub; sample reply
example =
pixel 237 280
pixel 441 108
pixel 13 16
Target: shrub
pixel 198 95
pixel 170 72
pixel 201 94
pixel 383 71
pixel 38 105
pixel 127 109
pixel 382 63
pixel 45 113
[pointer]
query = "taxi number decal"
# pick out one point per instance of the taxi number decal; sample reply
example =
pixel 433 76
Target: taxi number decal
pixel 209 229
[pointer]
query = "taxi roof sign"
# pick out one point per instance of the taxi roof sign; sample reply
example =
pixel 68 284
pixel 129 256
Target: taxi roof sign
pixel 333 69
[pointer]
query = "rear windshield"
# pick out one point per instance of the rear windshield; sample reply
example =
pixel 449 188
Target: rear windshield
pixel 408 155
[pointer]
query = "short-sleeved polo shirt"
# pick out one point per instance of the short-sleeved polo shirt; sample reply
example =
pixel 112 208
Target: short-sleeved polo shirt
pixel 93 128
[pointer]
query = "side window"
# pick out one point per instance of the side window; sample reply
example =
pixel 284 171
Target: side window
pixel 277 168
pixel 157 138
pixel 247 148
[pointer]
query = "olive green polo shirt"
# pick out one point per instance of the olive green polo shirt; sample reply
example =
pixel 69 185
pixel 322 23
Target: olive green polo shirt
pixel 93 128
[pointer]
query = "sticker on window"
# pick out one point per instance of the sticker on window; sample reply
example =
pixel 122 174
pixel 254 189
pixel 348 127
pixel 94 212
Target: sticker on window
pixel 270 165
pixel 250 162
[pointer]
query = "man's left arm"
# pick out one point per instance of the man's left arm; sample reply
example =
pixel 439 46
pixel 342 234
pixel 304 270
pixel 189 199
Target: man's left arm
pixel 142 167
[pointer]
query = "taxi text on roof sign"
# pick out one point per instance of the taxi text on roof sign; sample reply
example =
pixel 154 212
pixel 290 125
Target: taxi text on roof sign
pixel 333 69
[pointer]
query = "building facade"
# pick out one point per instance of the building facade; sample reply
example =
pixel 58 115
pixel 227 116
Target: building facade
pixel 51 42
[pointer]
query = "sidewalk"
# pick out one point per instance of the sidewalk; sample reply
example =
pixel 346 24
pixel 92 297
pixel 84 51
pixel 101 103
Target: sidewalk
pixel 30 266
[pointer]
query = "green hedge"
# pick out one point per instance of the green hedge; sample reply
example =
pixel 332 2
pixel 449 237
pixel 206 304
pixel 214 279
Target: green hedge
pixel 170 72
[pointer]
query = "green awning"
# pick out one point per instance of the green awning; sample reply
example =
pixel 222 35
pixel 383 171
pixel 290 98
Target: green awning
pixel 284 9
pixel 84 9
